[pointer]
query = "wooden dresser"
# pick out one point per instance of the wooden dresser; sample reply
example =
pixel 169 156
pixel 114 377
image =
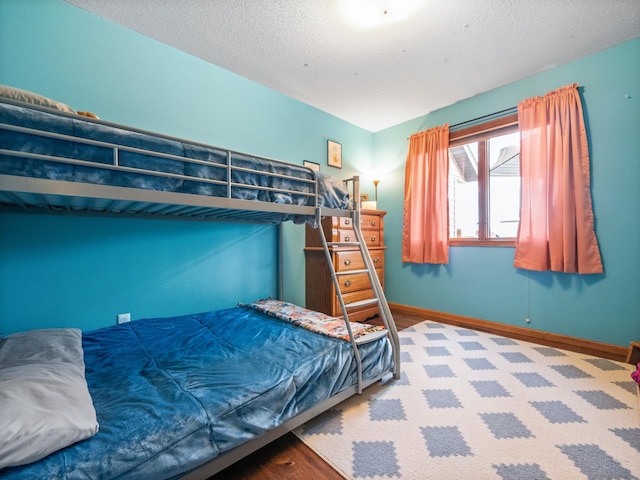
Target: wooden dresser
pixel 320 292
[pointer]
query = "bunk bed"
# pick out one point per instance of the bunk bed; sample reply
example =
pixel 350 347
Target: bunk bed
pixel 187 396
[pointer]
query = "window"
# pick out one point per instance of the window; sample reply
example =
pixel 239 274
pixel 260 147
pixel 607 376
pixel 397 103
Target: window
pixel 484 183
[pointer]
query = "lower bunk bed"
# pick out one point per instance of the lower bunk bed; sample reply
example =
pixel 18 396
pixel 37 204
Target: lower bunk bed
pixel 179 397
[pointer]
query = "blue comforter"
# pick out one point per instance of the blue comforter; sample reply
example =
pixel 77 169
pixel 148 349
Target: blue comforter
pixel 172 393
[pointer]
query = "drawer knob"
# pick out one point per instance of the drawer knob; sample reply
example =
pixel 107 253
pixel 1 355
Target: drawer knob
pixel 373 239
pixel 347 238
pixel 373 223
pixel 347 261
pixel 347 283
pixel 347 221
pixel 376 260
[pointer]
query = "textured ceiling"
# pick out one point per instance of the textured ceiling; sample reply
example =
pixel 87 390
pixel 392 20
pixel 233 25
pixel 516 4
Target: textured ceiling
pixel 378 76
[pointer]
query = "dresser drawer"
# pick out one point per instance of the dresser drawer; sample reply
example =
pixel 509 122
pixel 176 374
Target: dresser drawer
pixel 352 260
pixel 377 256
pixel 354 282
pixel 344 236
pixel 358 281
pixel 370 222
pixel 367 222
pixel 348 260
pixel 344 222
pixel 371 238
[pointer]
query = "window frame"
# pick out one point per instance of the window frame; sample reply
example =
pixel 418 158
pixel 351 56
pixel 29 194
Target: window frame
pixel 480 132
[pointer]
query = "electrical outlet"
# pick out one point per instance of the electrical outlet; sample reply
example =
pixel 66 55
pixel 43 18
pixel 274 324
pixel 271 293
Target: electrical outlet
pixel 124 318
pixel 527 320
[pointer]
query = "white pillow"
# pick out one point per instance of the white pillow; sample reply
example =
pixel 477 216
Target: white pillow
pixel 45 403
pixel 13 93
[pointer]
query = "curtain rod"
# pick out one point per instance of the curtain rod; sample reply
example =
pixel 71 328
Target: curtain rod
pixel 494 115
pixel 501 113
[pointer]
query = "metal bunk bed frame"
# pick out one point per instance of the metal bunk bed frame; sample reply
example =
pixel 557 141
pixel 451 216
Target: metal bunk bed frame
pixel 21 193
pixel 76 196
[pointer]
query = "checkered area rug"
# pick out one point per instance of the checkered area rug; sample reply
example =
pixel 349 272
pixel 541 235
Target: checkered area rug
pixel 478 406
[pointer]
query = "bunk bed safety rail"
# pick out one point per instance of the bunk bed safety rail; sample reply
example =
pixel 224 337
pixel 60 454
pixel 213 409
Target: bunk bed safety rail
pixel 61 161
pixel 166 165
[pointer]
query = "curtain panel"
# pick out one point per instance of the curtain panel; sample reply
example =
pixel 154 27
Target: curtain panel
pixel 425 235
pixel 556 230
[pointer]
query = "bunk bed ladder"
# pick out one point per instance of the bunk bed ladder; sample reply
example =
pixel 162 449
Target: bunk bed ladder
pixel 378 298
pixel 336 284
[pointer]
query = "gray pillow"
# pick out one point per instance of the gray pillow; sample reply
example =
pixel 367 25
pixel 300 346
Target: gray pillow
pixel 45 403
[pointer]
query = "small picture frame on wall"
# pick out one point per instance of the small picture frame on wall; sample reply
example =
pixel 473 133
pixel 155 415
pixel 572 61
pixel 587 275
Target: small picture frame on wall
pixel 312 165
pixel 334 154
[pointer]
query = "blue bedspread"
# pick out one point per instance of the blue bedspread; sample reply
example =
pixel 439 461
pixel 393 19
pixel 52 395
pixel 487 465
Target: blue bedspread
pixel 172 393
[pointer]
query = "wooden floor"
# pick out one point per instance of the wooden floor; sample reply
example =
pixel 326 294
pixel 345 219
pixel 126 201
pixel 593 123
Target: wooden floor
pixel 288 458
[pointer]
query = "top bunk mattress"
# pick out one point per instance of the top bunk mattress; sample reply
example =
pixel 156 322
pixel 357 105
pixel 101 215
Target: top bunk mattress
pixel 173 393
pixel 37 143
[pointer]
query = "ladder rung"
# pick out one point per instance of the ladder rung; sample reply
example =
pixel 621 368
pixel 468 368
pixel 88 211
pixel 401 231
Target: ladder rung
pixel 352 272
pixel 343 244
pixel 361 303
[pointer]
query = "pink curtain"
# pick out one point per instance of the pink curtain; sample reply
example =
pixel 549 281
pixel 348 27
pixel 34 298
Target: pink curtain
pixel 425 237
pixel 556 218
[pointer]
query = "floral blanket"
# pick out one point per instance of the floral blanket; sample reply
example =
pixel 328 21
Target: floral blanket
pixel 314 321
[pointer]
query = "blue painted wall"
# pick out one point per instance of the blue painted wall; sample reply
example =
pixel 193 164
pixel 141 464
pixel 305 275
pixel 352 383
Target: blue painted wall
pixel 481 282
pixel 82 271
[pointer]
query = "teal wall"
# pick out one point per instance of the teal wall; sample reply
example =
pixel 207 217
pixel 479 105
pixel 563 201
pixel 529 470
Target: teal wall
pixel 81 271
pixel 481 282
